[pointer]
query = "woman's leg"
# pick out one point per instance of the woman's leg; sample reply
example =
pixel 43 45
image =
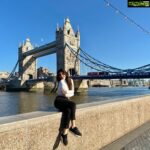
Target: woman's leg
pixel 69 109
pixel 66 107
pixel 66 119
pixel 65 131
pixel 73 114
pixel 73 123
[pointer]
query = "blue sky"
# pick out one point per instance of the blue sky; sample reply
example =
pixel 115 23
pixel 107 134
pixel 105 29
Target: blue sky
pixel 104 34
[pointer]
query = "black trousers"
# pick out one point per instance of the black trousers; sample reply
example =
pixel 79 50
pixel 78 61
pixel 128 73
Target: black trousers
pixel 67 107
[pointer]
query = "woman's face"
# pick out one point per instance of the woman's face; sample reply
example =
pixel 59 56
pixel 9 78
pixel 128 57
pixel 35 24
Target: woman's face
pixel 62 75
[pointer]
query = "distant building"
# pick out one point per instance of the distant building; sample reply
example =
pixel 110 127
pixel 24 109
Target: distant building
pixel 43 72
pixel 4 75
pixel 138 82
pixel 108 83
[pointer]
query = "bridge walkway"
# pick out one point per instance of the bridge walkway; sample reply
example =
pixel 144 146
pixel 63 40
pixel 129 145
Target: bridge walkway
pixel 138 139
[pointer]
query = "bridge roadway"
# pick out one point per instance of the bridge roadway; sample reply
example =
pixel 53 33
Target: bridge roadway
pixel 115 76
pixel 84 77
pixel 138 139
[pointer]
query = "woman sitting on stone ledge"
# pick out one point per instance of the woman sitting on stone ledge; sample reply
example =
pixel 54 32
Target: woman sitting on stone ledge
pixel 65 105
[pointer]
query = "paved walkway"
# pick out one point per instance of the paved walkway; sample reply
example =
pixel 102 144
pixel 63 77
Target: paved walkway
pixel 140 143
pixel 139 139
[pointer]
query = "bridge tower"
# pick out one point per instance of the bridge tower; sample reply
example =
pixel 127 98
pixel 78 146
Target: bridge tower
pixel 27 65
pixel 65 59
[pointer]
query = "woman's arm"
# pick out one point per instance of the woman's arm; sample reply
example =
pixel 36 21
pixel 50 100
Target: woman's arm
pixel 70 93
pixel 66 92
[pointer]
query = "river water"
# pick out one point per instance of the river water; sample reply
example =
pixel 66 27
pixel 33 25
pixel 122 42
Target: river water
pixel 12 103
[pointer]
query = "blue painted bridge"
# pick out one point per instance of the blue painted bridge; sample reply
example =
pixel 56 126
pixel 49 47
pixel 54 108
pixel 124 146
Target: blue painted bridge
pixel 109 76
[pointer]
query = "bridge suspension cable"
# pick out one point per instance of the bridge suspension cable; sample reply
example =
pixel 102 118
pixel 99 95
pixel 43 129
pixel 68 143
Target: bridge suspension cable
pixel 91 62
pixel 12 72
pixel 97 62
pixel 144 68
pixel 82 59
pixel 97 65
pixel 126 17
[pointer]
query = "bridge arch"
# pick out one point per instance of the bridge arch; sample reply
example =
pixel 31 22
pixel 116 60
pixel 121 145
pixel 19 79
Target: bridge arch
pixel 72 72
pixel 30 76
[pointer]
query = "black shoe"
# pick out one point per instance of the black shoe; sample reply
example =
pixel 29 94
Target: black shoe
pixel 64 139
pixel 75 131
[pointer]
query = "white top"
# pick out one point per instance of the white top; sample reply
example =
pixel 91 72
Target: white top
pixel 63 89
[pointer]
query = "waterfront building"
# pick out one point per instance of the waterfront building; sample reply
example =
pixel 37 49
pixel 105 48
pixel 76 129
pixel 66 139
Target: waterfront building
pixel 4 75
pixel 43 72
pixel 138 82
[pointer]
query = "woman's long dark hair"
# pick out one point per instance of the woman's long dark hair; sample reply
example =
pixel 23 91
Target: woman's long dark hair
pixel 68 79
pixel 58 72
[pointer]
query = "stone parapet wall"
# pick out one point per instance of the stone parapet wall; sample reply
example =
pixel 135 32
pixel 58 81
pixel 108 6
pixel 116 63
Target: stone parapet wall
pixel 80 85
pixel 100 125
pixel 97 82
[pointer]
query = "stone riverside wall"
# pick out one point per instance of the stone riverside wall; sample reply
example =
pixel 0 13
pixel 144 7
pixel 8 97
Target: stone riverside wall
pixel 100 125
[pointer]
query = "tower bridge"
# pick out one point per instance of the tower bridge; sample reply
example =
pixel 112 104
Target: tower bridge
pixel 65 59
pixel 28 55
pixel 69 56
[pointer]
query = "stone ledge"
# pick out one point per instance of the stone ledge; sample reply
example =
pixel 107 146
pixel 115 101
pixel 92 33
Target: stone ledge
pixel 102 124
